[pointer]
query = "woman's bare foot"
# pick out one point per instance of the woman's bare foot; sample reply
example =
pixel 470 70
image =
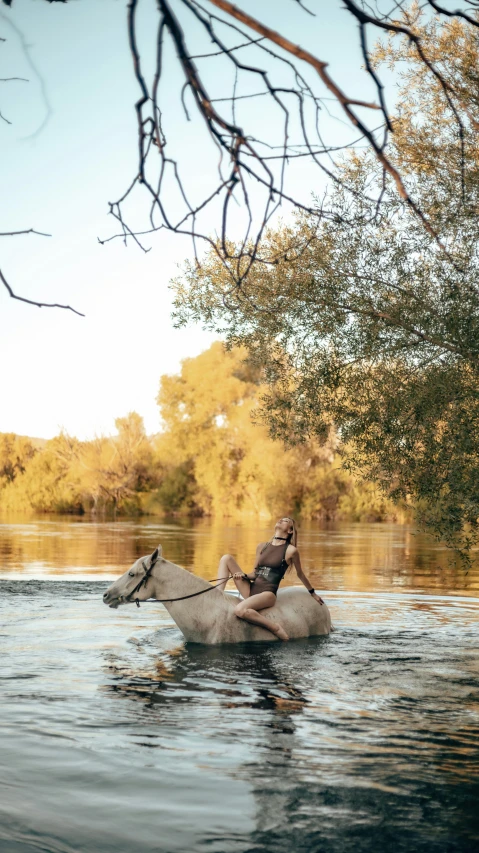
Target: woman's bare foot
pixel 281 633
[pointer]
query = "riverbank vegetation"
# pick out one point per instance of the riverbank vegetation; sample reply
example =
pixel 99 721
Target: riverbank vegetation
pixel 210 459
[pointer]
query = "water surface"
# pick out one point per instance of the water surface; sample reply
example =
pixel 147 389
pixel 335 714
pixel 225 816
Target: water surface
pixel 116 736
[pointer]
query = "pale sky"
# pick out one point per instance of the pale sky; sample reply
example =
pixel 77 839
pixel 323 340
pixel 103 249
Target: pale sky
pixel 59 370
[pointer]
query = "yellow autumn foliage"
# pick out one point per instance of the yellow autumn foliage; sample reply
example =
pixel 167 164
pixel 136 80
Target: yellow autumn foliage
pixel 209 458
pixel 225 464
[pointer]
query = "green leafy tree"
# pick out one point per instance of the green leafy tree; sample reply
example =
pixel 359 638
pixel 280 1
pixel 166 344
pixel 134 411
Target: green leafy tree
pixel 366 324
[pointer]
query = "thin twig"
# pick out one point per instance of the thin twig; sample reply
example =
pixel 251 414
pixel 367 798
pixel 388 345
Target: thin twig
pixel 27 231
pixel 33 302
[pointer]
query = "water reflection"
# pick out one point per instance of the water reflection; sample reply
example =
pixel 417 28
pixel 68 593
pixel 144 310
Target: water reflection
pixel 362 557
pixel 236 677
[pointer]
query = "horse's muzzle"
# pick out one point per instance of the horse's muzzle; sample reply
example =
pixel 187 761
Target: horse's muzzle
pixel 110 601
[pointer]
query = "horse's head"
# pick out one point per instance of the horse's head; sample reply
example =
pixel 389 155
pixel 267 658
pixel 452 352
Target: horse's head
pixel 134 583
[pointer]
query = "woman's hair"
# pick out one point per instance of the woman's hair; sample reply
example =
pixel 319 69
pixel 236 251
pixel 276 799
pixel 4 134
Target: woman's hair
pixel 293 537
pixel 293 540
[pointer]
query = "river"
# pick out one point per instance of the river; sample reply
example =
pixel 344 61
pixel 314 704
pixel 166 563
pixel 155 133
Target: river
pixel 116 736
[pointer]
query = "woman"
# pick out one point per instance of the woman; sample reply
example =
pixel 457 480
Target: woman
pixel 259 587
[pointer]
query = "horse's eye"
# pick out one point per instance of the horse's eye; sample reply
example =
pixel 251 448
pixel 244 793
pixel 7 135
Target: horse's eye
pixel 132 574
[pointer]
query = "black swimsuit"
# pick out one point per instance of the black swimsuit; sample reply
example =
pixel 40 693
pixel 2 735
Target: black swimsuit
pixel 268 576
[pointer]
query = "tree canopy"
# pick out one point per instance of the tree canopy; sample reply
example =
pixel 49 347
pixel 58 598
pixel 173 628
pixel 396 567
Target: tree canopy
pixel 67 475
pixel 364 323
pixel 209 459
pixel 221 463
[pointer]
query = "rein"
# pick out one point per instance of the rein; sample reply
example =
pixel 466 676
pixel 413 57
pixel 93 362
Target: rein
pixel 144 581
pixel 184 597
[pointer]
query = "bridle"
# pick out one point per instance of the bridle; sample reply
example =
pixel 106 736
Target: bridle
pixel 143 581
pixel 147 575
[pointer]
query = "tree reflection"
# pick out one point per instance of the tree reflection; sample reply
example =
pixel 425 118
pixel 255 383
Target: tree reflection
pixel 356 557
pixel 239 677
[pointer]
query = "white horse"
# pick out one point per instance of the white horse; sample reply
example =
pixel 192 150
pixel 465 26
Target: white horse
pixel 209 618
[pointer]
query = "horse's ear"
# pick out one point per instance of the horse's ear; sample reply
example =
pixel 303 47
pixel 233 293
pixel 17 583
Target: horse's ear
pixel 156 554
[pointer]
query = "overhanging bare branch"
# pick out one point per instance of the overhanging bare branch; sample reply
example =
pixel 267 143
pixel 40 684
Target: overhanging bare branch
pixel 248 177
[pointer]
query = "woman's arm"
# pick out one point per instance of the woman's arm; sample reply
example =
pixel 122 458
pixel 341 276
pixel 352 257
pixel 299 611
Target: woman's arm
pixel 296 560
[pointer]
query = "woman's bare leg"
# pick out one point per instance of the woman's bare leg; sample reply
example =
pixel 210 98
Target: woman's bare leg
pixel 226 569
pixel 247 610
